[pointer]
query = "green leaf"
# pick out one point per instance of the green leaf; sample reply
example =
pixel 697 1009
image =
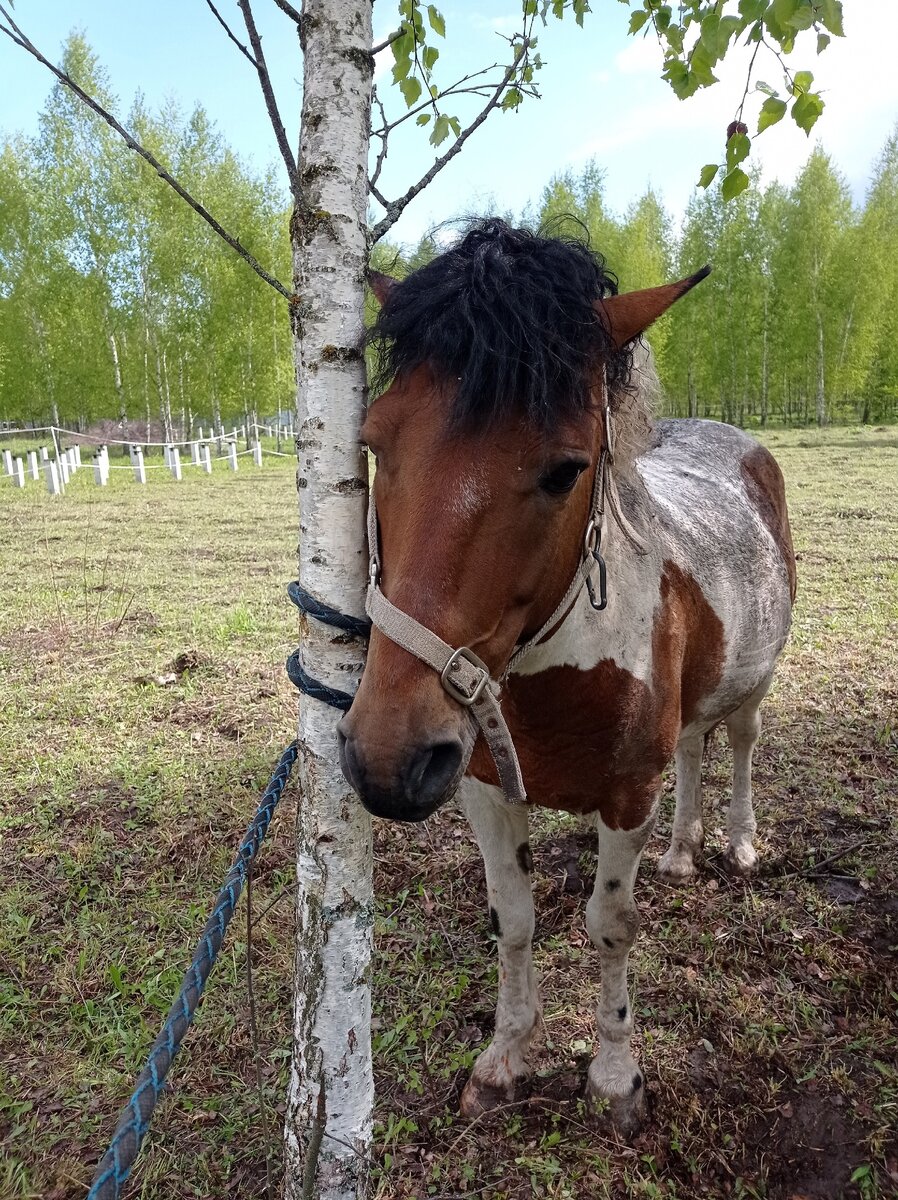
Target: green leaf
pixel 761 86
pixel 423 118
pixel 823 40
pixel 804 17
pixel 710 26
pixel 455 126
pixel 726 29
pixel 637 21
pixel 437 21
pixel 700 64
pixel 752 10
pixel 430 55
pixel 784 10
pixel 801 82
pixel 830 12
pixel 806 110
pixel 772 110
pixel 734 183
pixel 738 148
pixel 677 75
pixel 708 174
pixel 511 99
pixel 411 89
pixel 440 130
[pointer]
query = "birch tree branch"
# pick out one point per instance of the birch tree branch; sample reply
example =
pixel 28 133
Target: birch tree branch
pixel 396 207
pixel 268 92
pixel 16 35
pixel 293 13
pixel 395 36
pixel 226 27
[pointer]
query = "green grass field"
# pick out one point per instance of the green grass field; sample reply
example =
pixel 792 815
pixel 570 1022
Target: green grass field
pixel 142 639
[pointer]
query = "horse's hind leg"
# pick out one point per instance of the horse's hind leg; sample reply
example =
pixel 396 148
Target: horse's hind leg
pixel 743 728
pixel 677 864
pixel 502 834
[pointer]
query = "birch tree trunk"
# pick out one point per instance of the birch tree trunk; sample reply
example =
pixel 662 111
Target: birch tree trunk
pixel 328 1128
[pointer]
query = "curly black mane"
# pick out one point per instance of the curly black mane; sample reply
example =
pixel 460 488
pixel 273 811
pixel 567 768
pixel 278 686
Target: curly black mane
pixel 506 318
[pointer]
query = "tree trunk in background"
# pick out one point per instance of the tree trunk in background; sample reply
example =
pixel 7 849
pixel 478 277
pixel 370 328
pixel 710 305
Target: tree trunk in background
pixel 693 399
pixel 820 389
pixel 117 377
pixel 765 367
pixel 329 1121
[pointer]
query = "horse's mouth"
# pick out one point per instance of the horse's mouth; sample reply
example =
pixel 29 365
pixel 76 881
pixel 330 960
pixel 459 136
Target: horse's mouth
pixel 426 778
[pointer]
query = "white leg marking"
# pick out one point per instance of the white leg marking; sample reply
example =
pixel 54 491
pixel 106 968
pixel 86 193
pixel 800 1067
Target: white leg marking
pixel 502 834
pixel 677 864
pixel 743 728
pixel 612 921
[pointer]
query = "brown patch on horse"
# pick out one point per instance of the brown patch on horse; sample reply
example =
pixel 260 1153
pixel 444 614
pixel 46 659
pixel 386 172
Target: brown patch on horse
pixel 763 481
pixel 598 739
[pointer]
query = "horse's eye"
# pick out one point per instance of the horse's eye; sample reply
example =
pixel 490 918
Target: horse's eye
pixel 561 479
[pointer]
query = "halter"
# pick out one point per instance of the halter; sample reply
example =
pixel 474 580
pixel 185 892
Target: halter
pixel 463 675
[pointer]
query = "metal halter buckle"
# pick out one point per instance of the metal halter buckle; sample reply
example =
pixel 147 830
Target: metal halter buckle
pixel 452 687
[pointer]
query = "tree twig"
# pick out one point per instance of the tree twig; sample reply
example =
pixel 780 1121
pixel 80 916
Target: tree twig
pixel 16 34
pixel 293 13
pixel 396 207
pixel 394 37
pixel 382 154
pixel 268 92
pixel 226 27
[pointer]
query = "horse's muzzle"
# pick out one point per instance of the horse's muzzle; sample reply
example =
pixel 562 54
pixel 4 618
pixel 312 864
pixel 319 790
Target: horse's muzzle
pixel 425 779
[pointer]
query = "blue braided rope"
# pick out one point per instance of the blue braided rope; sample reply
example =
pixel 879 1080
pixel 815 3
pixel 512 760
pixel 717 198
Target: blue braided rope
pixel 299 676
pixel 135 1117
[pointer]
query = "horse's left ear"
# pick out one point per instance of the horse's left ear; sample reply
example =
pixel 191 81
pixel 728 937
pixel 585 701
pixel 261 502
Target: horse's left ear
pixel 627 316
pixel 381 285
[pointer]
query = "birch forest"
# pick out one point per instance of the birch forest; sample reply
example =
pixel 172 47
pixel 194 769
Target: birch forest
pixel 119 304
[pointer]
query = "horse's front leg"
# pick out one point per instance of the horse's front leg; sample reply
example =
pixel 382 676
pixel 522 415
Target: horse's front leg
pixel 502 834
pixel 612 921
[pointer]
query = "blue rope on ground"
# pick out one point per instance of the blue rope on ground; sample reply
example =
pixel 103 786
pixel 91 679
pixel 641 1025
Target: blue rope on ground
pixel 135 1117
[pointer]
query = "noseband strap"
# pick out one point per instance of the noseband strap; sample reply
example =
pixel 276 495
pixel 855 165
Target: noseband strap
pixel 464 676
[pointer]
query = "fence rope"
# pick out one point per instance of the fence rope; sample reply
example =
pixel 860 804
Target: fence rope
pixel 134 1119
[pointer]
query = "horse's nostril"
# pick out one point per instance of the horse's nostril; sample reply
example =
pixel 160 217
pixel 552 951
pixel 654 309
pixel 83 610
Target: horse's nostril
pixel 431 770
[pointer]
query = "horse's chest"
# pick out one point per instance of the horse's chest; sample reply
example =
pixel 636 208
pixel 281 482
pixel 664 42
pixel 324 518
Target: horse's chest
pixel 586 740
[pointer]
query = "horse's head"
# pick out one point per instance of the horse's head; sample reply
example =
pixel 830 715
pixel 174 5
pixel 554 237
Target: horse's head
pixel 487 443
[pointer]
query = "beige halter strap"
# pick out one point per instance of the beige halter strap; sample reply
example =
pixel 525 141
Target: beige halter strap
pixel 463 675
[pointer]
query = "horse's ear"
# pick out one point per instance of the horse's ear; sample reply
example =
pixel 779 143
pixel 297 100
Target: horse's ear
pixel 381 285
pixel 628 315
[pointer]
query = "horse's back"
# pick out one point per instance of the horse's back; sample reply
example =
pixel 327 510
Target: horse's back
pixel 719 512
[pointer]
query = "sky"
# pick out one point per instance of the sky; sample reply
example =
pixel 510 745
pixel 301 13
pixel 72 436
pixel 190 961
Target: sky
pixel 603 98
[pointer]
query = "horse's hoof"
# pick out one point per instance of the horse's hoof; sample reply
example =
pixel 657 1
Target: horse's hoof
pixel 479 1098
pixel 677 869
pixel 741 860
pixel 624 1114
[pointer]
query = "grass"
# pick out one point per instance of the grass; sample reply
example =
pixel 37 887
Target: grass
pixel 142 637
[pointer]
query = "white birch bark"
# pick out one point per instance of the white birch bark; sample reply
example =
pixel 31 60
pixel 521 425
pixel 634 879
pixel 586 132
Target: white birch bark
pixel 329 1121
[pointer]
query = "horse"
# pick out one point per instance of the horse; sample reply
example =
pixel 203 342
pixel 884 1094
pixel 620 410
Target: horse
pixel 565 595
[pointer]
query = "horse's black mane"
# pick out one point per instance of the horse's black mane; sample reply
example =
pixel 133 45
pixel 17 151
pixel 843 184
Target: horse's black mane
pixel 505 318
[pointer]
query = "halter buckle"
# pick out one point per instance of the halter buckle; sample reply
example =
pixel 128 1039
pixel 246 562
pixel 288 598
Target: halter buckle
pixel 465 698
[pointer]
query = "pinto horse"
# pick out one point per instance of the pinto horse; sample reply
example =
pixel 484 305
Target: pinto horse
pixel 516 453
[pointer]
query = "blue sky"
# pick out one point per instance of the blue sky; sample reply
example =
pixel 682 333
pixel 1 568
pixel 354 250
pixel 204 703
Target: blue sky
pixel 602 97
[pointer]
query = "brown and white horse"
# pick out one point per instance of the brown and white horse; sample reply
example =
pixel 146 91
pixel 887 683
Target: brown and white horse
pixel 511 358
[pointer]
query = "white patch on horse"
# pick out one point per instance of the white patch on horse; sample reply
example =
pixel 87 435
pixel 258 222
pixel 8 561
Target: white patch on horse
pixel 468 495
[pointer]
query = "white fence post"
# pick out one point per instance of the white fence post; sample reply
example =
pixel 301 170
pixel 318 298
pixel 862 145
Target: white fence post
pixel 166 455
pixel 139 470
pixel 18 472
pixel 7 462
pixel 99 473
pixel 54 486
pixel 206 455
pixel 174 462
pixel 232 455
pixel 195 453
pixel 257 452
pixel 76 450
pixel 45 454
pixel 63 466
pixel 33 468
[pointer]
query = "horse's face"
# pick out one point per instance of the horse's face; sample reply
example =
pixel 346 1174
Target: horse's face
pixel 480 535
